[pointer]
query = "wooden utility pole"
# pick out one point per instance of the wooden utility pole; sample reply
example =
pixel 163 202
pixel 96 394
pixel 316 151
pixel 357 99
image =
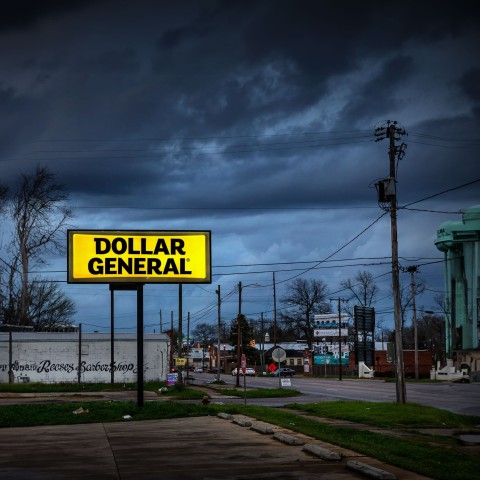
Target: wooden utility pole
pixel 180 331
pixel 219 333
pixel 274 312
pixel 237 383
pixel 388 197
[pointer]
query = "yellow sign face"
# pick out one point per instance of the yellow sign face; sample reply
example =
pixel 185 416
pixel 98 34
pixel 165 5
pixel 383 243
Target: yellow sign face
pixel 180 362
pixel 99 256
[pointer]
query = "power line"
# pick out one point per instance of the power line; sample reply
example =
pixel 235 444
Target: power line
pixel 442 192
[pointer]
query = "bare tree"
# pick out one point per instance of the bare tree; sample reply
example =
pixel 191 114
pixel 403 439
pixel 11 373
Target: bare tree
pixel 205 333
pixel 3 264
pixel 304 299
pixel 362 288
pixel 4 190
pixel 39 220
pixel 49 307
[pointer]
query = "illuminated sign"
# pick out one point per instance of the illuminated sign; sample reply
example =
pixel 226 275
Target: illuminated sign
pixel 107 256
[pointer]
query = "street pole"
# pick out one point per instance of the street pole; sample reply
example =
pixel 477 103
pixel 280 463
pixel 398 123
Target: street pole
pixel 339 341
pixel 219 363
pixel 412 271
pixel 389 196
pixel 400 380
pixel 274 312
pixel 188 339
pixel 262 339
pixel 339 300
pixel 180 332
pixel 237 383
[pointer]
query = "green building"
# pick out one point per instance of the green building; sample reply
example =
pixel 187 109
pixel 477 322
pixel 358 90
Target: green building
pixel 460 242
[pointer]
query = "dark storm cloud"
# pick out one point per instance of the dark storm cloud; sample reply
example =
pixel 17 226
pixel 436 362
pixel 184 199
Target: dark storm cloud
pixel 23 14
pixel 470 83
pixel 377 97
pixel 124 61
pixel 251 118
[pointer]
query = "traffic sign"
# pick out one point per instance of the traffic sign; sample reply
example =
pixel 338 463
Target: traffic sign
pixel 286 382
pixel 279 354
pixel 272 367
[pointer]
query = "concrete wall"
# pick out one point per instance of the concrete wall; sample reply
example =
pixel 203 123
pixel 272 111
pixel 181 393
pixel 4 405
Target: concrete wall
pixel 54 357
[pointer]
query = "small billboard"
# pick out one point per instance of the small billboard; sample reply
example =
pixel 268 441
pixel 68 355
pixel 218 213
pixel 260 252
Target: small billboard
pixel 146 256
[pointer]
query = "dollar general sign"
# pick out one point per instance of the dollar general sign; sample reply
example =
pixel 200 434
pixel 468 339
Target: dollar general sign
pixel 96 256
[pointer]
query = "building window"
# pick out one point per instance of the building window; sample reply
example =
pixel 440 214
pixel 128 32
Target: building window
pixel 292 362
pixel 299 361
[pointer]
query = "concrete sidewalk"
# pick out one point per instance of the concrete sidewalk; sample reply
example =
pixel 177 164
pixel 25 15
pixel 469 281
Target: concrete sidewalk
pixel 207 448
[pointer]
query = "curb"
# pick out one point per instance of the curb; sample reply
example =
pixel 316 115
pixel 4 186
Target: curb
pixel 370 471
pixel 263 428
pixel 321 452
pixel 288 439
pixel 316 450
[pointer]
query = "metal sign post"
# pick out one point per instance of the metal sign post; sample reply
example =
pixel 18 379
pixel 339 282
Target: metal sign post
pixel 138 287
pixel 127 259
pixel 279 355
pixel 244 371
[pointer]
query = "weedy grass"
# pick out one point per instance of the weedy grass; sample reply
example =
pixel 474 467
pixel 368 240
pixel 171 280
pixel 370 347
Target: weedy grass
pixel 423 454
pixel 389 415
pixel 72 387
pixel 259 392
pixel 416 454
pixel 95 412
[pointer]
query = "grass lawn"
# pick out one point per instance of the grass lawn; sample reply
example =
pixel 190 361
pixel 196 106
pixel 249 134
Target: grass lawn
pixel 433 456
pixel 259 392
pixel 389 415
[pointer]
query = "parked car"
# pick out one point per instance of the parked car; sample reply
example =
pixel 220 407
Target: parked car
pixel 250 372
pixel 284 372
pixel 198 370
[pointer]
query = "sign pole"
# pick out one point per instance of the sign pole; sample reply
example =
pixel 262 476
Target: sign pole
pixel 244 371
pixel 127 259
pixel 112 335
pixel 140 344
pixel 245 388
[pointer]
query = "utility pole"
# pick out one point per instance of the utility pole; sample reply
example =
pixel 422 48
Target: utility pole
pixel 262 344
pixel 161 326
pixel 274 312
pixel 180 331
pixel 412 271
pixel 339 300
pixel 388 202
pixel 188 335
pixel 237 383
pixel 219 326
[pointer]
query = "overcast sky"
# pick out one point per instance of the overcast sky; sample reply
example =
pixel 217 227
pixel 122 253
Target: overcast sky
pixel 252 119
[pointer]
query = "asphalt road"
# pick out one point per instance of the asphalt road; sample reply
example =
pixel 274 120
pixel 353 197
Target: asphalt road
pixel 461 398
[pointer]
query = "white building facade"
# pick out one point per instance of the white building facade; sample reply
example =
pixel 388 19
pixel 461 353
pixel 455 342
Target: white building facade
pixel 59 357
